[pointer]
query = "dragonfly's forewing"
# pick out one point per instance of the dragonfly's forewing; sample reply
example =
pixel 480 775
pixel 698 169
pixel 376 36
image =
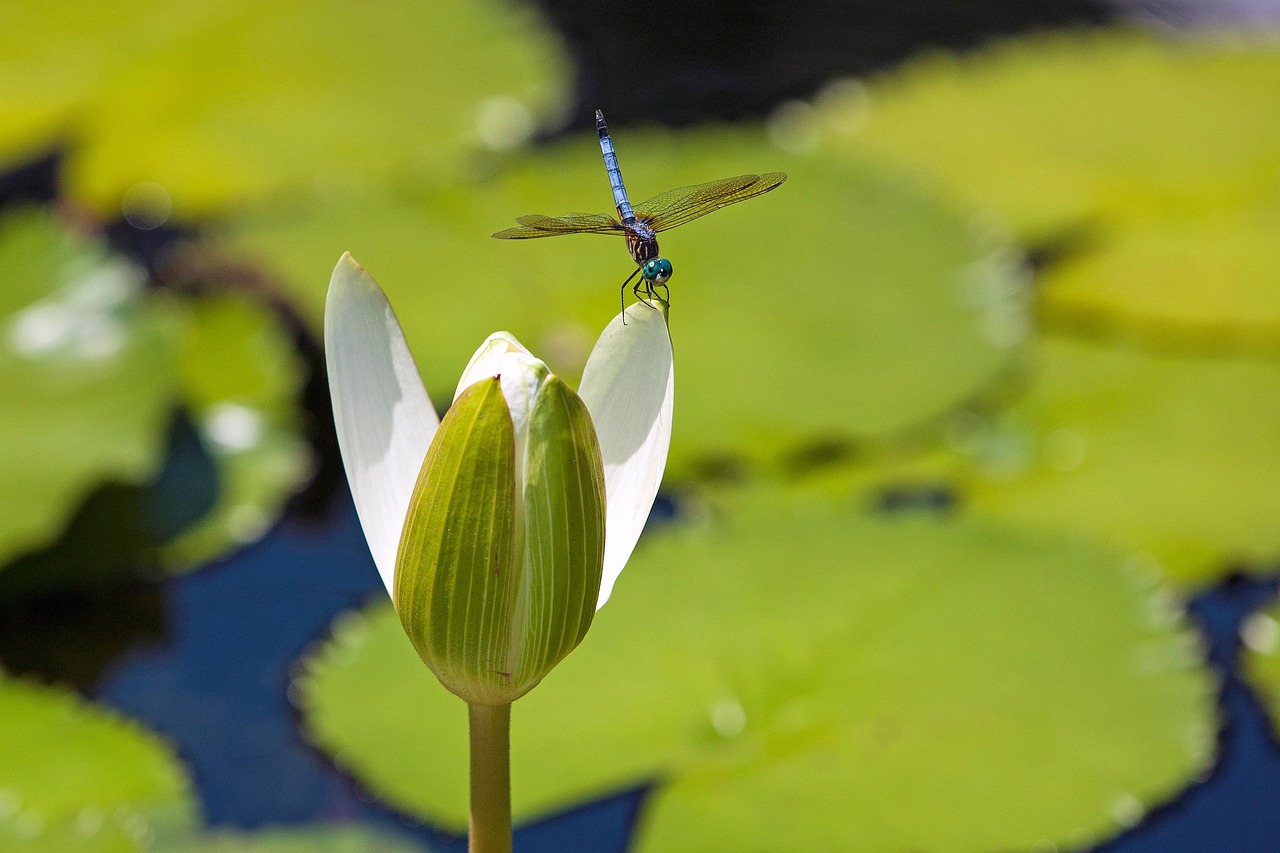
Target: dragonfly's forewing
pixel 538 225
pixel 684 204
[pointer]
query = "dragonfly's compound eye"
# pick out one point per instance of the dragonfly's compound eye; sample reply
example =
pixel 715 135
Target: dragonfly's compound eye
pixel 662 271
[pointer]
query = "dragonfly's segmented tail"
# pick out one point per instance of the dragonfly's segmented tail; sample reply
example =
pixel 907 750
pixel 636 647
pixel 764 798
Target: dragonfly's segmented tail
pixel 615 174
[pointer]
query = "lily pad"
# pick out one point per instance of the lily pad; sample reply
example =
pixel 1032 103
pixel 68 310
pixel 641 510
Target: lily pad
pixel 1173 458
pixel 1152 166
pixel 52 63
pixel 799 676
pixel 1059 129
pixel 1199 286
pixel 86 373
pixel 240 379
pixel 845 303
pixel 213 103
pixel 75 777
pixel 323 840
pixel 96 365
pixel 1260 633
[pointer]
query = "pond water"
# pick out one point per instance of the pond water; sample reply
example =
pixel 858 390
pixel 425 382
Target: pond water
pixel 217 684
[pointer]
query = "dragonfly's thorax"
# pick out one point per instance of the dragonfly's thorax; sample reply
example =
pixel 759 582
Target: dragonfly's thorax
pixel 643 247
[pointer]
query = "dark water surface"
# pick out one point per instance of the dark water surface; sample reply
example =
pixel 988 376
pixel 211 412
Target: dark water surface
pixel 217 685
pixel 680 62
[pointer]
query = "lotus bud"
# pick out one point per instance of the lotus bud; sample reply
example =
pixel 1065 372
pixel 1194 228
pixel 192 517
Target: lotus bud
pixel 498 571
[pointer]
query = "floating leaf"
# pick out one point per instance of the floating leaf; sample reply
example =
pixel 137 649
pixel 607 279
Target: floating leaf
pixel 1152 166
pixel 1260 632
pixel 1174 458
pixel 53 63
pixel 74 777
pixel 214 103
pixel 1061 129
pixel 325 840
pixel 86 373
pixel 96 365
pixel 241 378
pixel 1202 285
pixel 845 303
pixel 803 677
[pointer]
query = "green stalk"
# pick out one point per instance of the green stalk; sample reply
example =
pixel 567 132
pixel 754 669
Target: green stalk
pixel 490 830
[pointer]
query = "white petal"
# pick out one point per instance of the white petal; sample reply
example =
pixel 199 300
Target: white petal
pixel 522 378
pixel 384 418
pixel 522 374
pixel 628 386
pixel 487 361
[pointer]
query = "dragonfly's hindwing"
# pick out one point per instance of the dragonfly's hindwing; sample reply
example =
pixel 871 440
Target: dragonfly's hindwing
pixel 684 204
pixel 537 225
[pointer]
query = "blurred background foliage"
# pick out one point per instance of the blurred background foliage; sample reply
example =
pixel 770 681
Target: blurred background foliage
pixel 967 412
pixel 226 102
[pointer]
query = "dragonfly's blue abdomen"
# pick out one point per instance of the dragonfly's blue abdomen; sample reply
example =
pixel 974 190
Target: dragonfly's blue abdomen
pixel 615 174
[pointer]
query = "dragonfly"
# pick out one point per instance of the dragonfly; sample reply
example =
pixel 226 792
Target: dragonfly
pixel 641 224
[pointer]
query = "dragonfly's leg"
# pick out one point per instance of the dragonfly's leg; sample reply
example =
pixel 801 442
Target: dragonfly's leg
pixel 623 294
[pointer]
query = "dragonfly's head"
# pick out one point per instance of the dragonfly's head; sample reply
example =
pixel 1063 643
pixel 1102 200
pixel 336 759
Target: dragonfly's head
pixel 656 271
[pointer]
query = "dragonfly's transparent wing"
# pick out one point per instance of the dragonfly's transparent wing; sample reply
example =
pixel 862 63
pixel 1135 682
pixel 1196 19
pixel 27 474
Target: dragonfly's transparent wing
pixel 538 225
pixel 684 204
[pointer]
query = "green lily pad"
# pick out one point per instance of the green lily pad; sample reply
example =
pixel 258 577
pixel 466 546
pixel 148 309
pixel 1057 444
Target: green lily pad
pixel 75 777
pixel 222 102
pixel 326 840
pixel 1152 164
pixel 1260 633
pixel 804 677
pixel 96 365
pixel 1201 286
pixel 53 62
pixel 240 379
pixel 1171 457
pixel 845 303
pixel 1059 129
pixel 86 373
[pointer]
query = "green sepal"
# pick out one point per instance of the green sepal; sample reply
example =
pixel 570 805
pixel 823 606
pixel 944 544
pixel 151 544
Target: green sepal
pixel 455 579
pixel 564 518
pixel 495 590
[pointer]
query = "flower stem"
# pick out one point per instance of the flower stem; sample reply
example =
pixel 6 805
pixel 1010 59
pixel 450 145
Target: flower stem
pixel 490 830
